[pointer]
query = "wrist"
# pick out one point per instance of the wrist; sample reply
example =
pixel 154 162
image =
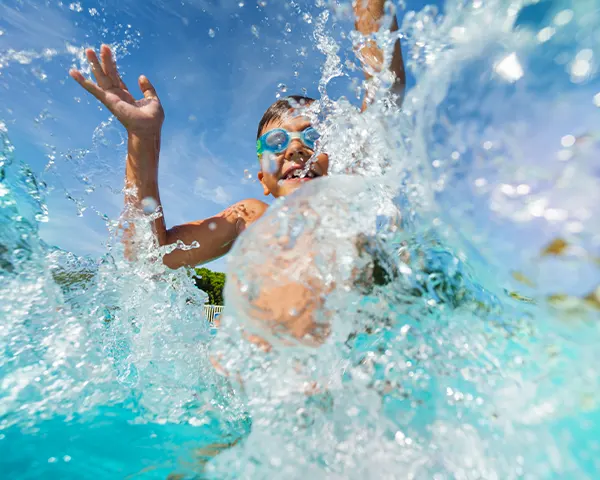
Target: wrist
pixel 144 135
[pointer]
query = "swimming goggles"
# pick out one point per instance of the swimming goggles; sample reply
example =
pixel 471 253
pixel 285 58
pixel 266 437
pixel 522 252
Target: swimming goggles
pixel 278 139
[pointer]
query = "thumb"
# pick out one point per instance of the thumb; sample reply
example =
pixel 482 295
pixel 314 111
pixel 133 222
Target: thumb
pixel 146 87
pixel 240 226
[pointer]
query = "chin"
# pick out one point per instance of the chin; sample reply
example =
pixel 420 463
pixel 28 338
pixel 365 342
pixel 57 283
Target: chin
pixel 290 186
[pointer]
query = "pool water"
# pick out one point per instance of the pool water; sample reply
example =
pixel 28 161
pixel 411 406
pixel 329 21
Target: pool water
pixel 475 358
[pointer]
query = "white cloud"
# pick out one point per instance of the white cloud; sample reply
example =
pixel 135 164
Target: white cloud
pixel 216 195
pixel 221 196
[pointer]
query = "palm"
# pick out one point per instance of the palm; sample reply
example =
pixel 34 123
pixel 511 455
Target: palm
pixel 143 116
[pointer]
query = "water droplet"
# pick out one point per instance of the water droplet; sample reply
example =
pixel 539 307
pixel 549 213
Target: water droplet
pixel 585 55
pixel 567 141
pixel 240 4
pixel 67 458
pixel 563 17
pixel 212 226
pixel 261 3
pixel 509 68
pixel 1 32
pixel 307 17
pixel 76 7
pixel 247 174
pixel 597 99
pixel 254 30
pixel 399 437
pixel 52 460
pixel 267 162
pixel 211 33
pixel 281 89
pixel 564 155
pixel 580 69
pixel 149 205
pixel 545 34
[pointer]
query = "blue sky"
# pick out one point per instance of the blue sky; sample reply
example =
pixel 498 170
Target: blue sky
pixel 215 87
pixel 216 64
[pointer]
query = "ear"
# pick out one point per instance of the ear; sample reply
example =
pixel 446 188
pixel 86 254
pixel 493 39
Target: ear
pixel 261 177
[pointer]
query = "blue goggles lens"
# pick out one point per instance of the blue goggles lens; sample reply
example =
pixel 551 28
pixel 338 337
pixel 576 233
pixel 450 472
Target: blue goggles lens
pixel 278 139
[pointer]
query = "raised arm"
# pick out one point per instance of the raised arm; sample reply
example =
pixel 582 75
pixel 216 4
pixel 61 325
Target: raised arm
pixel 369 15
pixel 143 121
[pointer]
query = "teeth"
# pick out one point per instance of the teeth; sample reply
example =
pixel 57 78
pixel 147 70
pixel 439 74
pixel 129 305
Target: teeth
pixel 299 173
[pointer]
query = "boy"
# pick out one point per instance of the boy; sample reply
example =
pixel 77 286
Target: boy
pixel 289 138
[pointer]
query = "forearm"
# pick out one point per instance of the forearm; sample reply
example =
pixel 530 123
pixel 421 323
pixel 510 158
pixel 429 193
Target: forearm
pixel 369 15
pixel 214 235
pixel 141 182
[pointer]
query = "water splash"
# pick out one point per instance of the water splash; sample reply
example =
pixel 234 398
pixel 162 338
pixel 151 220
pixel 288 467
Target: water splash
pixel 447 314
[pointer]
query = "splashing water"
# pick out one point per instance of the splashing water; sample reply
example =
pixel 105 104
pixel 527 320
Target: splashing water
pixel 430 310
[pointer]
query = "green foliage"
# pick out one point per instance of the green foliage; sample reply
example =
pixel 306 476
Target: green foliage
pixel 212 283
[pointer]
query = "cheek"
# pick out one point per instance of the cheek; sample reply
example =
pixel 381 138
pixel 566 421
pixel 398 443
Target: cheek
pixel 270 179
pixel 323 161
pixel 271 164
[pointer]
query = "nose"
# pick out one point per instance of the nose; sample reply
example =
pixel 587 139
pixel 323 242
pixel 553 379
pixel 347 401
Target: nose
pixel 297 152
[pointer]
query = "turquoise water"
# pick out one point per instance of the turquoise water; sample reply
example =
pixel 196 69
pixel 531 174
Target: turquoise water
pixel 478 359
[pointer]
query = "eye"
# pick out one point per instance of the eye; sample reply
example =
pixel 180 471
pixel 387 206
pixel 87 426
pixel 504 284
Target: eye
pixel 311 135
pixel 276 139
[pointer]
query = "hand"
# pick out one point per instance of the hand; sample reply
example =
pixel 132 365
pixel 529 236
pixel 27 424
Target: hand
pixel 140 117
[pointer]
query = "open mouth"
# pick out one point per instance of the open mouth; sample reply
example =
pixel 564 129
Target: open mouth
pixel 299 173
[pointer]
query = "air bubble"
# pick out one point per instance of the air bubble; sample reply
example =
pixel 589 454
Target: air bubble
pixel 254 30
pixel 211 33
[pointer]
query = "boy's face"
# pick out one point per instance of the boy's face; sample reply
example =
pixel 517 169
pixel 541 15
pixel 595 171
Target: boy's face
pixel 278 180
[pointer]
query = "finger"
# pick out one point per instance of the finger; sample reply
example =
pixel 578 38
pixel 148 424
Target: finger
pixel 101 78
pixel 90 86
pixel 146 87
pixel 110 67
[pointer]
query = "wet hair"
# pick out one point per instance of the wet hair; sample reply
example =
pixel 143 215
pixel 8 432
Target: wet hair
pixel 280 108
